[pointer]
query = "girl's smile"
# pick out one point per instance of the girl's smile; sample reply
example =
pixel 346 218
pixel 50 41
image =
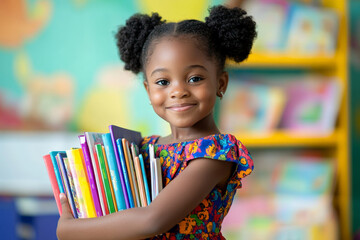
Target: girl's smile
pixel 181 107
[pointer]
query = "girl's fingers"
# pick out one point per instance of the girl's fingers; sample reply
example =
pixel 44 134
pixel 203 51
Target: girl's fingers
pixel 66 211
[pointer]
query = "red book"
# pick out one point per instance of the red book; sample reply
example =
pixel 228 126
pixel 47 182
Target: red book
pixel 54 185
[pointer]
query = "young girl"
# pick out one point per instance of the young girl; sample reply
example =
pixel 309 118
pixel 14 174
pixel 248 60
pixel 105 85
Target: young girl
pixel 183 67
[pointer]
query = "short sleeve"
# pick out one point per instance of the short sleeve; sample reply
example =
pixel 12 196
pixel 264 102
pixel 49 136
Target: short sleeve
pixel 223 147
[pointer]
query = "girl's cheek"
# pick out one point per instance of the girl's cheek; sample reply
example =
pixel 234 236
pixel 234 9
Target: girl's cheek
pixel 156 97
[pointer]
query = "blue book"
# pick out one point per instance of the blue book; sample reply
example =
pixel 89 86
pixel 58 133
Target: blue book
pixel 145 179
pixel 114 172
pixel 125 172
pixel 69 195
pixel 132 136
pixel 57 170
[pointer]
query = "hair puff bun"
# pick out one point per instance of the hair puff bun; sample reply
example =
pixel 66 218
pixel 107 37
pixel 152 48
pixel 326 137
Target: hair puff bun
pixel 235 31
pixel 131 38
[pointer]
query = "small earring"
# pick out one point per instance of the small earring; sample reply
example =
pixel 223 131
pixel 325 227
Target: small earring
pixel 150 102
pixel 221 94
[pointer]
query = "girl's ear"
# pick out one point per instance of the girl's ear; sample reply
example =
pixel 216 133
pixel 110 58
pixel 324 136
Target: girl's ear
pixel 146 85
pixel 222 84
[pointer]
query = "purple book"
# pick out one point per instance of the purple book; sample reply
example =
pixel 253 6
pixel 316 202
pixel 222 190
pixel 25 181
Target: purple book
pixel 133 137
pixel 90 173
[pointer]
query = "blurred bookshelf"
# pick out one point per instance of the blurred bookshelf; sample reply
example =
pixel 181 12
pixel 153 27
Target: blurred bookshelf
pixel 335 142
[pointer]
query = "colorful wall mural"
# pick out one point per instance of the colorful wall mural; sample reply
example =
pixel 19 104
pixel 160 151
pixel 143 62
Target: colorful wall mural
pixel 60 70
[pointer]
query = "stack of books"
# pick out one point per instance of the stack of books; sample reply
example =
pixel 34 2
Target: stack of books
pixel 105 175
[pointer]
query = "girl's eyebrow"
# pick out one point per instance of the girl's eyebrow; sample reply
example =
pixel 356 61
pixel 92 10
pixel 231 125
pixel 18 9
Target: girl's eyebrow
pixel 189 67
pixel 197 66
pixel 159 70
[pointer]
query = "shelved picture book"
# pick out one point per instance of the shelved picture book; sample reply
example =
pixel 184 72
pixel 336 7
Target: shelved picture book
pixel 104 174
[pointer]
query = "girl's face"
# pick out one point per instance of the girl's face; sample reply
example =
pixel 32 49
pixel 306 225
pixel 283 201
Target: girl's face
pixel 182 82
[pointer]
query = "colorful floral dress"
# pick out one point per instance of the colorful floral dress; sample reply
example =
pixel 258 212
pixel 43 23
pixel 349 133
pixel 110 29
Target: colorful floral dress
pixel 204 222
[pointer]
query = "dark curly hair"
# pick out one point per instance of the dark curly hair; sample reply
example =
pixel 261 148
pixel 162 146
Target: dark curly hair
pixel 226 33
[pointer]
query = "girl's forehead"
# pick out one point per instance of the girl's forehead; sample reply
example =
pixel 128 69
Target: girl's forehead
pixel 178 46
pixel 176 41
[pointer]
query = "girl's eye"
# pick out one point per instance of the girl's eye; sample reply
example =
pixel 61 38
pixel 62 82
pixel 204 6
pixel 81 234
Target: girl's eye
pixel 195 79
pixel 162 82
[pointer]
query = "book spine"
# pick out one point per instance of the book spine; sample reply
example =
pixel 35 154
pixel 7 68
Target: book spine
pixel 72 187
pixel 103 199
pixel 120 171
pixel 114 172
pixel 54 184
pixel 84 183
pixel 67 184
pixel 133 175
pixel 109 178
pixel 105 179
pixel 90 173
pixel 79 195
pixel 91 139
pixel 159 183
pixel 146 184
pixel 153 178
pixel 128 166
pixel 140 182
pixel 125 172
pixel 57 171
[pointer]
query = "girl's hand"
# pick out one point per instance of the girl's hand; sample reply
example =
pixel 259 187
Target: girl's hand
pixel 65 217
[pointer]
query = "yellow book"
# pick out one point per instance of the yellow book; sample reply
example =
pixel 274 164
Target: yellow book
pixel 80 199
pixel 84 182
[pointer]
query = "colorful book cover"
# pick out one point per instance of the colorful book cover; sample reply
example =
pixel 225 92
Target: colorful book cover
pixel 109 178
pixel 312 30
pixel 57 171
pixel 105 179
pixel 146 184
pixel 114 172
pixel 84 182
pixel 140 181
pixel 70 156
pixel 92 139
pixel 125 172
pixel 132 136
pixel 72 186
pixel 90 173
pixel 131 172
pixel 250 107
pixel 59 158
pixel 304 177
pixel 54 184
pixel 312 106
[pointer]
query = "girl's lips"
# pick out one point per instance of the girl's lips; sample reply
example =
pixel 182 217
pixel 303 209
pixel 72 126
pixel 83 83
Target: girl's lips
pixel 181 107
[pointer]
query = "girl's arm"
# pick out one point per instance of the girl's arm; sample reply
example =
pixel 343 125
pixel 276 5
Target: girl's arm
pixel 173 204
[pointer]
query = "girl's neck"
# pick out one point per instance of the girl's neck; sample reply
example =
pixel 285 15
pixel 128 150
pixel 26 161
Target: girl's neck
pixel 202 128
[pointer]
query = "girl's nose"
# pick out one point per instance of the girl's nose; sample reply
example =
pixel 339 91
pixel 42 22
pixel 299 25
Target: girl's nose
pixel 179 91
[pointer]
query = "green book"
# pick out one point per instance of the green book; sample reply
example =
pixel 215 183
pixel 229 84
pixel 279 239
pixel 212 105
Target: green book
pixel 105 178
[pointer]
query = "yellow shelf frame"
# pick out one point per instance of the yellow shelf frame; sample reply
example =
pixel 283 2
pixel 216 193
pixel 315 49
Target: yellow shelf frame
pixel 286 60
pixel 283 138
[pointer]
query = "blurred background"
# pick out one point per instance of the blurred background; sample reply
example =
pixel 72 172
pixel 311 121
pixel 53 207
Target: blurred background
pixel 294 103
